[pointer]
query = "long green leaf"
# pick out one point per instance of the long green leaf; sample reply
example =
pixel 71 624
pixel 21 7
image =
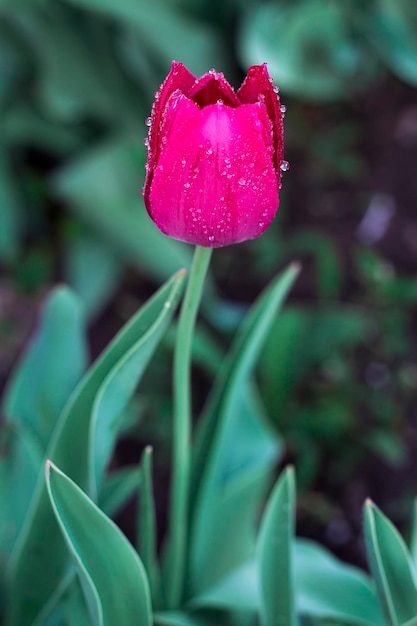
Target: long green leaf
pixel 224 532
pixel 10 205
pixel 101 187
pixel 37 564
pixel 169 34
pixel 238 364
pixel 326 589
pixel 234 446
pixel 113 577
pixel 50 368
pixel 391 566
pixel 19 466
pixel 147 529
pixel 413 541
pixel 117 488
pixel 275 555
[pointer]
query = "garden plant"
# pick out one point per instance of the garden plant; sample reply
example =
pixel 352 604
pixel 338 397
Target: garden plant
pixel 237 446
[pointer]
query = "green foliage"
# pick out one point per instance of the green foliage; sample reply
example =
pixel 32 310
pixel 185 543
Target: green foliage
pixel 327 51
pixel 328 382
pixel 237 567
pixel 88 424
pixel 391 567
pixel 275 555
pixel 113 577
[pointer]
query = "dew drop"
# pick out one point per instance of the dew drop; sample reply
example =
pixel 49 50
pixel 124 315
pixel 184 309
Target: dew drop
pixel 242 181
pixel 257 124
pixel 146 142
pixel 157 94
pixel 285 166
pixel 275 89
pixel 211 238
pixel 283 109
pixel 220 101
pixel 142 190
pixel 148 121
pixel 212 70
pixel 209 151
pixel 187 185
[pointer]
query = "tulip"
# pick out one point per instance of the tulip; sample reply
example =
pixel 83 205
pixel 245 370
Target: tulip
pixel 215 157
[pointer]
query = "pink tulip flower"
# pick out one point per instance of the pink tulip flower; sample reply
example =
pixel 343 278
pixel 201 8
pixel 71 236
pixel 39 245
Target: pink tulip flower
pixel 215 157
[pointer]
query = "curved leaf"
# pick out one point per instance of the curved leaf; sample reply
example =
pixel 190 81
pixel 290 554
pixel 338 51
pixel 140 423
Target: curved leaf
pixel 275 548
pixel 391 567
pixel 50 368
pixel 326 589
pixel 113 578
pixel 37 565
pixel 234 447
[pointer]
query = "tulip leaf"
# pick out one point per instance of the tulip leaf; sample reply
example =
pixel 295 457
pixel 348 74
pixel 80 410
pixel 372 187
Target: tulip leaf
pixel 101 187
pixel 112 576
pixel 10 207
pixel 391 567
pixel 93 270
pixel 88 425
pixel 413 542
pixel 235 452
pixel 329 589
pixel 392 30
pixel 224 534
pixel 117 488
pixel 200 618
pixel 147 530
pixel 310 47
pixel 238 364
pixel 275 549
pixel 50 368
pixel 325 589
pixel 195 43
pixel 20 462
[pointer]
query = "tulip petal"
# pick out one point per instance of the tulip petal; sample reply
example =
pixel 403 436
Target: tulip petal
pixel 178 78
pixel 214 183
pixel 213 87
pixel 258 84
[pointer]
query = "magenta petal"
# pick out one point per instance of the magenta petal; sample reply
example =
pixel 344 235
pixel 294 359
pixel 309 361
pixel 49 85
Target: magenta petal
pixel 258 84
pixel 214 183
pixel 178 78
pixel 213 87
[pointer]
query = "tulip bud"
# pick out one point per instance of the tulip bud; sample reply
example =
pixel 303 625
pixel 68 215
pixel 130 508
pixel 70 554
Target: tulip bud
pixel 215 157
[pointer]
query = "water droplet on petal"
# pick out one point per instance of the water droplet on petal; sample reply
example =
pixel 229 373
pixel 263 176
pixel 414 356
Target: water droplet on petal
pixel 148 121
pixel 285 166
pixel 219 101
pixel 146 142
pixel 187 185
pixel 242 181
pixel 212 70
pixel 209 151
pixel 276 89
pixel 211 238
pixel 283 109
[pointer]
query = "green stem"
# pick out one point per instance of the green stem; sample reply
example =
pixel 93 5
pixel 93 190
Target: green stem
pixel 178 531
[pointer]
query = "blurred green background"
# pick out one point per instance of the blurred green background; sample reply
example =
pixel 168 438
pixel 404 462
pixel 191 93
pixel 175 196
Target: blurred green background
pixel 339 376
